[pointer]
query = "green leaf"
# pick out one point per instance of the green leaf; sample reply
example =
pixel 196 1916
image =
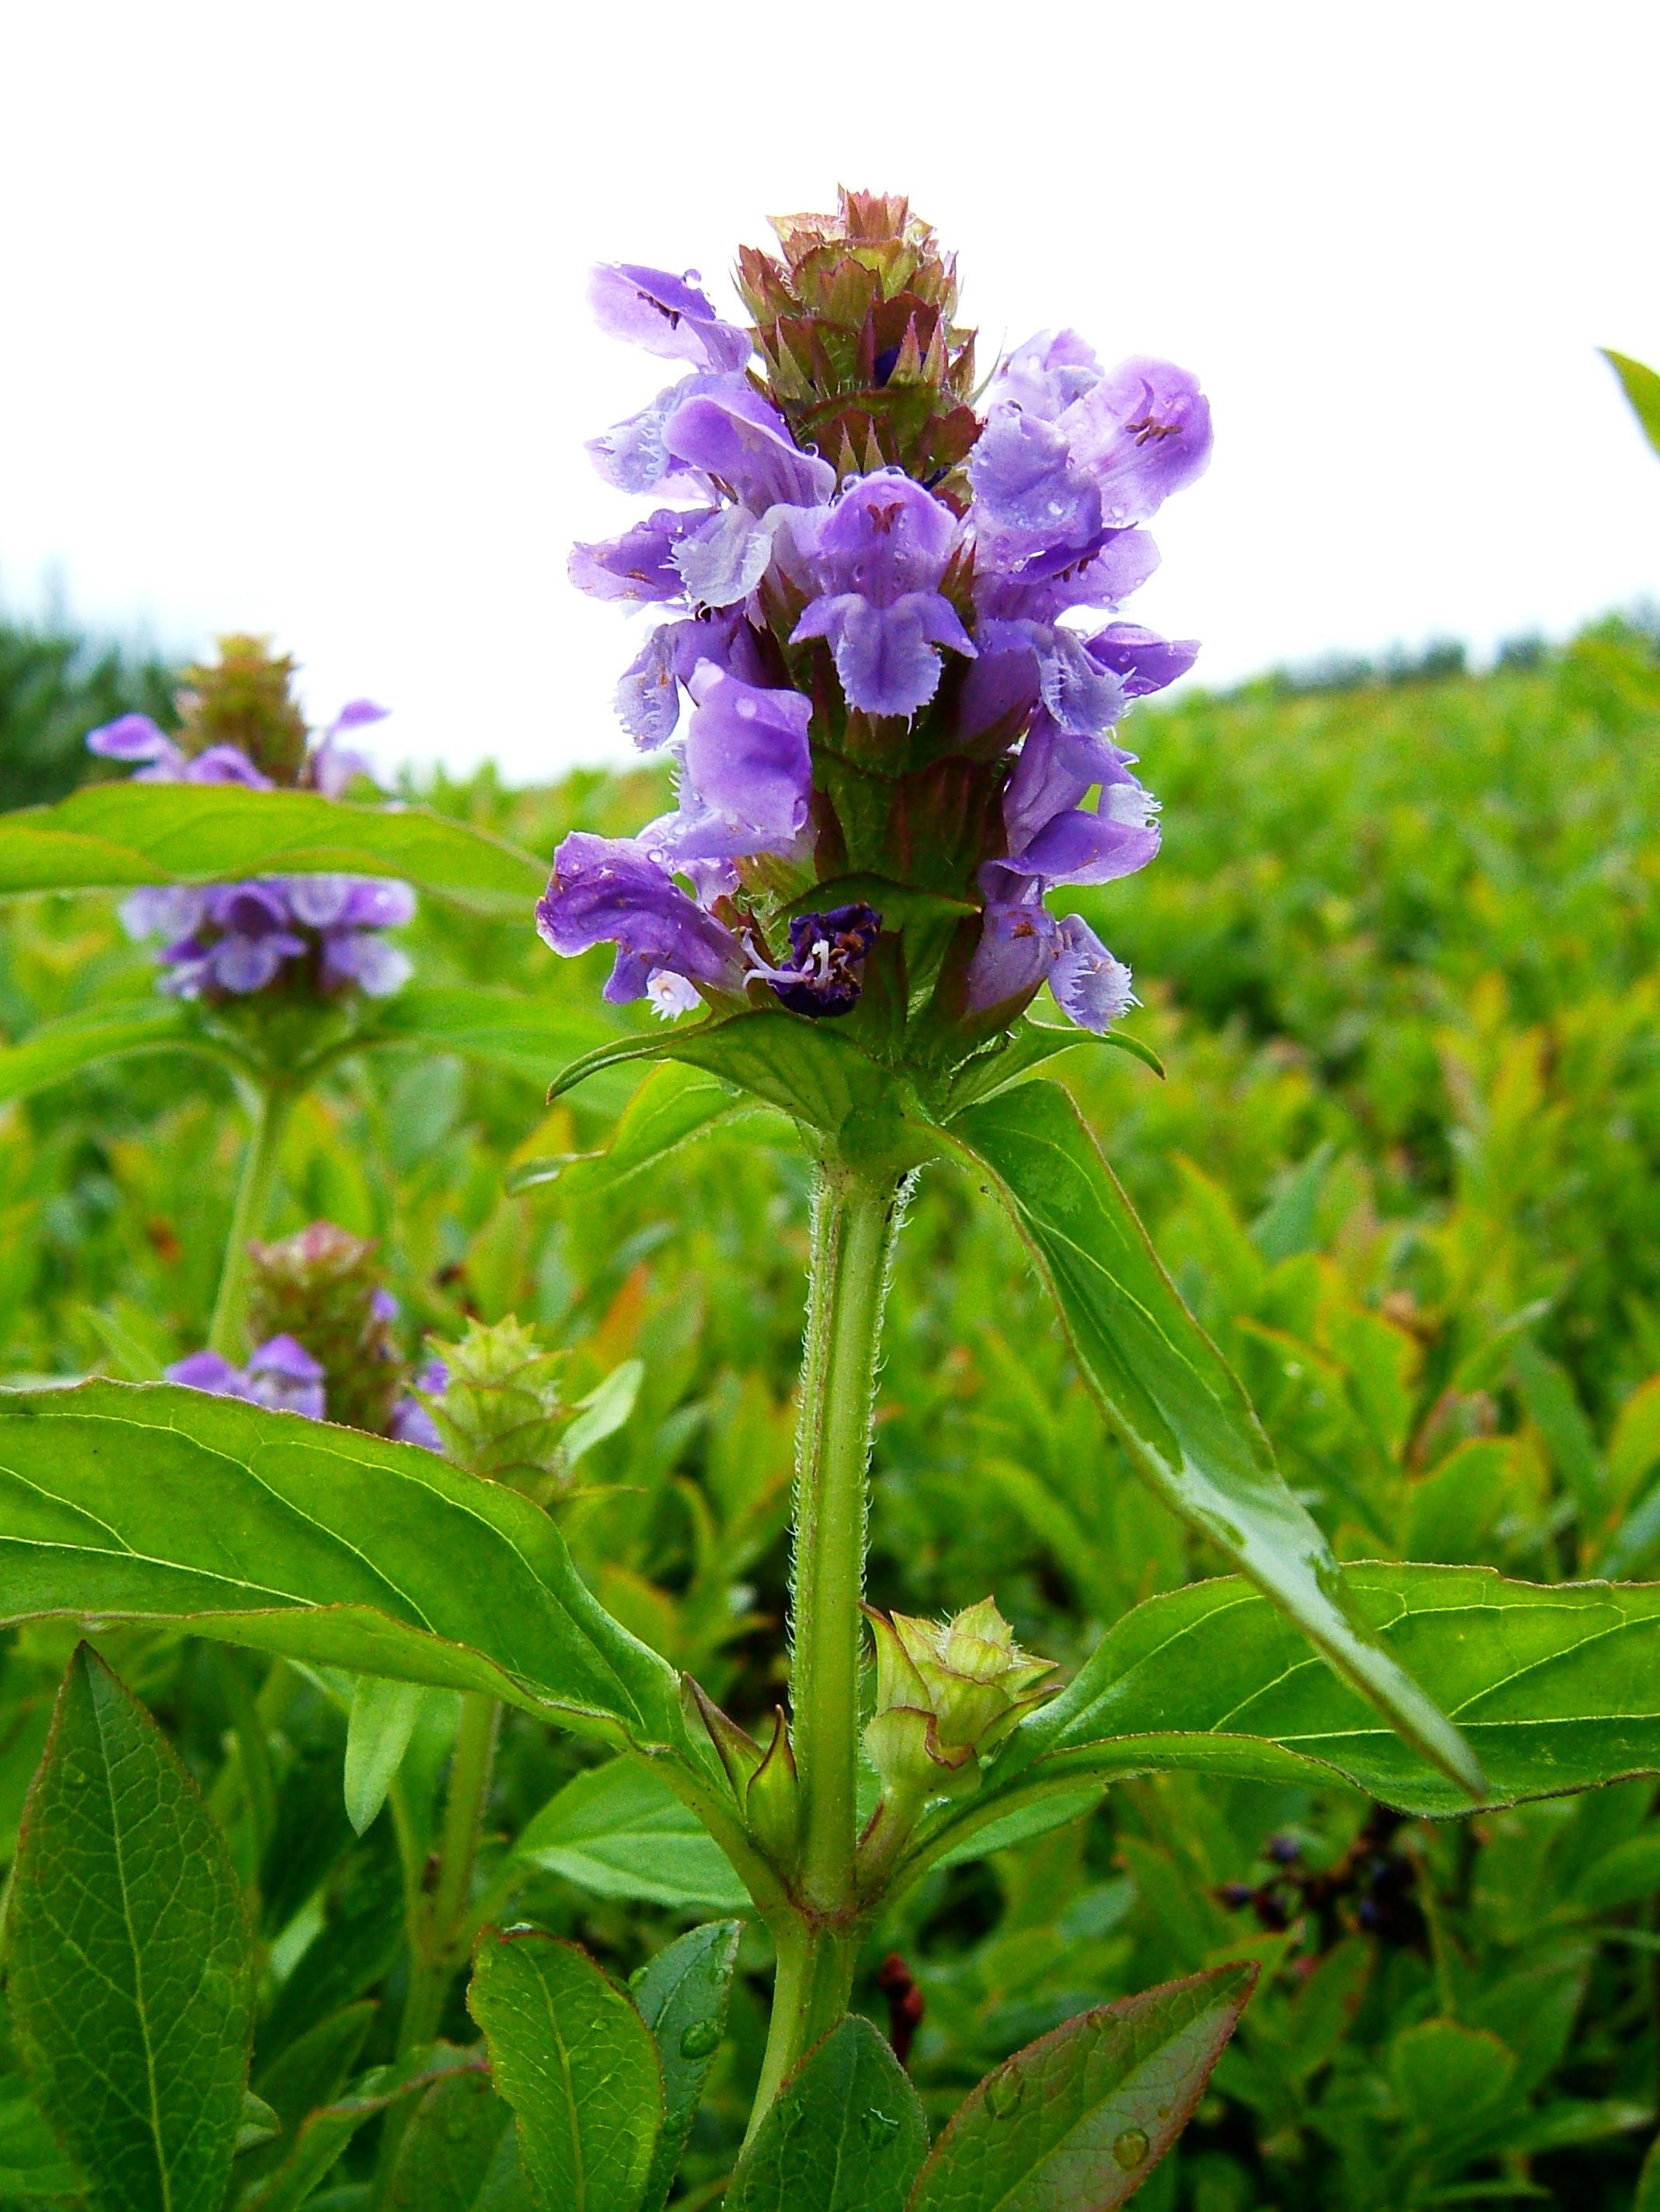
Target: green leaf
pixel 1447 2078
pixel 454 2153
pixel 618 1830
pixel 1077 2121
pixel 682 1995
pixel 673 1107
pixel 1642 387
pixel 378 1731
pixel 149 1502
pixel 109 835
pixel 1175 1404
pixel 310 2073
pixel 1028 1047
pixel 573 2059
pixel 260 2124
pixel 1023 1824
pixel 32 2164
pixel 1548 1396
pixel 130 1957
pixel 58 1049
pixel 1556 1686
pixel 847 2134
pixel 325 2134
pixel 1647 2198
pixel 604 1410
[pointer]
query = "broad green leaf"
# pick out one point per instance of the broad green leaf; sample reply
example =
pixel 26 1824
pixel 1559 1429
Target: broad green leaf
pixel 572 2056
pixel 1026 1049
pixel 112 835
pixel 682 1995
pixel 453 2149
pixel 618 1830
pixel 131 1957
pixel 604 1410
pixel 378 1731
pixel 58 1049
pixel 1175 1404
pixel 805 1069
pixel 149 1502
pixel 1023 1824
pixel 1556 1686
pixel 1642 387
pixel 847 2134
pixel 673 1107
pixel 1076 2122
pixel 1447 2077
pixel 325 2134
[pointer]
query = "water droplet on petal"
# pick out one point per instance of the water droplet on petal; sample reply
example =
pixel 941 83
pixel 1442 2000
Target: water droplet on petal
pixel 878 2129
pixel 1003 2092
pixel 700 2038
pixel 1130 2148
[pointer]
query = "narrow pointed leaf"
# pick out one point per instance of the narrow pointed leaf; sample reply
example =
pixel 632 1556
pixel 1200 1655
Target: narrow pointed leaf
pixel 112 835
pixel 452 2151
pixel 59 1050
pixel 673 1107
pixel 1557 1687
pixel 619 1831
pixel 1077 2121
pixel 572 2056
pixel 130 1957
pixel 602 1057
pixel 325 2134
pixel 682 1995
pixel 847 2134
pixel 1026 1049
pixel 806 1069
pixel 1177 1406
pixel 1641 386
pixel 378 1731
pixel 149 1502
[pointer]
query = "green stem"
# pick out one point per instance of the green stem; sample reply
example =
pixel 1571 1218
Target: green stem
pixel 854 1226
pixel 433 1962
pixel 274 1102
pixel 810 1995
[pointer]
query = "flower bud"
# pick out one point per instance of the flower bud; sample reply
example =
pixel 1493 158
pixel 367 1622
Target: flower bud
pixel 243 700
pixel 501 1413
pixel 947 1693
pixel 321 1288
pixel 764 1783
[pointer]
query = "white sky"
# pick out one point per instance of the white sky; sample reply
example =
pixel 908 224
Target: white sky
pixel 295 337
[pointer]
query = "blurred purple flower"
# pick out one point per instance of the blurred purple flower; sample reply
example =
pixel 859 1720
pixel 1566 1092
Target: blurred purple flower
pixel 281 1374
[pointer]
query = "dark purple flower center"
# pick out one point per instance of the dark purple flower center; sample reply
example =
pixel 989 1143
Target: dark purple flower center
pixel 829 954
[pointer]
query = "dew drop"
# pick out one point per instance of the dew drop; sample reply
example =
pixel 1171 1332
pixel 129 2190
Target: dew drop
pixel 1130 2148
pixel 1003 2092
pixel 700 2038
pixel 878 2129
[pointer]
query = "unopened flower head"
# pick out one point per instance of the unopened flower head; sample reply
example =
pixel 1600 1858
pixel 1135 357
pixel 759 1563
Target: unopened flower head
pixel 883 650
pixel 317 934
pixel 947 1694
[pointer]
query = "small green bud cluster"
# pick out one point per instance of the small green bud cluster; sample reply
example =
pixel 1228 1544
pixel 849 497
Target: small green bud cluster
pixel 501 1413
pixel 322 1288
pixel 947 1694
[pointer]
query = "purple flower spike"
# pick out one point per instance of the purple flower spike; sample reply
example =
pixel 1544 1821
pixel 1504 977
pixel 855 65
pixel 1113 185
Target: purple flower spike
pixel 608 891
pixel 1088 983
pixel 877 557
pixel 667 315
pixel 747 778
pixel 1144 661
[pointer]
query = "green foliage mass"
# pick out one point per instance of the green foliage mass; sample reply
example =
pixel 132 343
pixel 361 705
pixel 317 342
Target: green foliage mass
pixel 55 685
pixel 1401 961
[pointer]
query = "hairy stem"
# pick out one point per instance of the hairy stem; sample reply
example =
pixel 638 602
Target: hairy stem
pixel 810 1995
pixel 446 1917
pixel 270 1116
pixel 854 1226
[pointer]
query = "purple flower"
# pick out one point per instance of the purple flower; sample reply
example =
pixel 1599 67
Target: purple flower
pixel 827 970
pixel 609 890
pixel 877 557
pixel 1141 433
pixel 667 315
pixel 281 1374
pixel 632 456
pixel 731 434
pixel 639 565
pixel 136 737
pixel 1043 377
pixel 1088 983
pixel 333 765
pixel 1144 661
pixel 1048 584
pixel 746 776
pixel 1022 947
pixel 649 697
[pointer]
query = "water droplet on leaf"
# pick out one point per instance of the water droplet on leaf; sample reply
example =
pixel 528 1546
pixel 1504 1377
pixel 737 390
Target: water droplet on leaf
pixel 1130 2148
pixel 878 2129
pixel 699 2039
pixel 1003 2092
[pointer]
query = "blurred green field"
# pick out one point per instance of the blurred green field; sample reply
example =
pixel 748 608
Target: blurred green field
pixel 1400 958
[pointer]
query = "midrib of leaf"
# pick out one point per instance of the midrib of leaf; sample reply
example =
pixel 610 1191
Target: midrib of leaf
pixel 578 2162
pixel 161 2167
